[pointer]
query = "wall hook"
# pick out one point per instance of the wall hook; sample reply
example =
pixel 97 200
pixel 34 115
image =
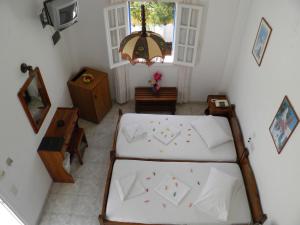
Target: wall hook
pixel 24 67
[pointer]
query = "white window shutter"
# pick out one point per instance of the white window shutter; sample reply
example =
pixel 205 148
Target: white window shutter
pixel 116 24
pixel 188 21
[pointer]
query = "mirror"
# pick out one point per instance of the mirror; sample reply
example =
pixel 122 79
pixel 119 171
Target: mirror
pixel 34 99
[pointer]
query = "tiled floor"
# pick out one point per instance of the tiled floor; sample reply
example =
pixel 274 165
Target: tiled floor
pixel 80 203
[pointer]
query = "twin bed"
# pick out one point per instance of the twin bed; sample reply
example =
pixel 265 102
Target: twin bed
pixel 187 146
pixel 189 159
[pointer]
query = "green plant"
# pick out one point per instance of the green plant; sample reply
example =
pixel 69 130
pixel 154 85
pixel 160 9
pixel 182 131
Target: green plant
pixel 157 13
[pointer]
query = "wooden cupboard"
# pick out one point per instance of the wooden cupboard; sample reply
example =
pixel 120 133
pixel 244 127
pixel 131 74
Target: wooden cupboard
pixel 93 99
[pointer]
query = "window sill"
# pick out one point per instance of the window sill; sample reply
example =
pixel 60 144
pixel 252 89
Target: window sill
pixel 169 60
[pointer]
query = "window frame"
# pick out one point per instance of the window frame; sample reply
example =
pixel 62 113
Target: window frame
pixel 195 47
pixel 108 30
pixel 171 44
pixel 176 33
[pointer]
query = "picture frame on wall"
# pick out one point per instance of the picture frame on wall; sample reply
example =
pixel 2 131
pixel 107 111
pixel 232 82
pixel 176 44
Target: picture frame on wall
pixel 261 40
pixel 283 124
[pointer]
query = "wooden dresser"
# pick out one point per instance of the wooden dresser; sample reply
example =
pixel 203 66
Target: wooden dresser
pixel 93 99
pixel 147 101
pixel 63 135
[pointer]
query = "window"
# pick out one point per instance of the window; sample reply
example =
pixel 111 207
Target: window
pixel 7 216
pixel 160 18
pixel 178 24
pixel 116 22
pixel 188 22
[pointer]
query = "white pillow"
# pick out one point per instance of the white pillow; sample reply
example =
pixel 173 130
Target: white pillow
pixel 210 131
pixel 134 132
pixel 216 195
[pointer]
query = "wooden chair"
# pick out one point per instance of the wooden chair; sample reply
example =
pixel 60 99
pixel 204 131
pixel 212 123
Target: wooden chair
pixel 79 137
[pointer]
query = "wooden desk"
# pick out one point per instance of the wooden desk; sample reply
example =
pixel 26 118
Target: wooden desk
pixel 53 158
pixel 147 101
pixel 217 111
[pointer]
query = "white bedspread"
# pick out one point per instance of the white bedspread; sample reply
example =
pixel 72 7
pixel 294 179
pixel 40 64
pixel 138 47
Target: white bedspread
pixel 187 146
pixel 152 208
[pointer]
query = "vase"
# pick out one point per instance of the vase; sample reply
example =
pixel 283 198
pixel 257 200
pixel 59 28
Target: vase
pixel 154 90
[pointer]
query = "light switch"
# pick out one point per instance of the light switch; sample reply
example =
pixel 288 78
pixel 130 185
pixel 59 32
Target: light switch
pixel 9 161
pixel 251 141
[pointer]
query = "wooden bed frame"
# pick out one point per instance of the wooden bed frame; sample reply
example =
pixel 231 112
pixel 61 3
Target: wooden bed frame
pixel 258 216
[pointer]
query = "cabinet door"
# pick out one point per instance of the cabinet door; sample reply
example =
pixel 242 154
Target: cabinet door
pixel 105 93
pixel 98 102
pixel 84 100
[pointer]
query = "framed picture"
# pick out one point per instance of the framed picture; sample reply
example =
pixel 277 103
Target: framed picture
pixel 284 124
pixel 261 41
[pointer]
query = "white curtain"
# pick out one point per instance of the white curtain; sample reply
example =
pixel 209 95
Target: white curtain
pixel 121 76
pixel 121 84
pixel 184 73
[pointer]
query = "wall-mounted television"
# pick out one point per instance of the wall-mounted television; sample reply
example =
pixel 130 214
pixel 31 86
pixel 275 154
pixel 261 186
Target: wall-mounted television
pixel 61 13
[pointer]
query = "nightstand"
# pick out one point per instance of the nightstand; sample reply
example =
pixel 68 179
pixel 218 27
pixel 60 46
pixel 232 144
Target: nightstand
pixel 146 101
pixel 212 109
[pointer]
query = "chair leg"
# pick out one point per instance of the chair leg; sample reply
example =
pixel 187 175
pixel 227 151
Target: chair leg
pixel 79 156
pixel 84 139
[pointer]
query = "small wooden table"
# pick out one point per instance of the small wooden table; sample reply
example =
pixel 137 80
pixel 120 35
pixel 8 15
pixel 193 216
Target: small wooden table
pixel 212 109
pixel 147 101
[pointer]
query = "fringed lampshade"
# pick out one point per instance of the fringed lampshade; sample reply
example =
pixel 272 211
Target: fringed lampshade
pixel 143 46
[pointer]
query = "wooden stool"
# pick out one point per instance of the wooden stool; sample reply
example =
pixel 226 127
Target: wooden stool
pixel 78 137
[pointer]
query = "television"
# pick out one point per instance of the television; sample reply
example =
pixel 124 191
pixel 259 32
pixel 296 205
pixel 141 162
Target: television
pixel 61 13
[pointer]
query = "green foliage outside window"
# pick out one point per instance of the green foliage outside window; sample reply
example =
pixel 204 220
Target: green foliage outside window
pixel 161 13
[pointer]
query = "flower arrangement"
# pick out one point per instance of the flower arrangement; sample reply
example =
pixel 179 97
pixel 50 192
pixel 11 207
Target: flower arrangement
pixel 154 82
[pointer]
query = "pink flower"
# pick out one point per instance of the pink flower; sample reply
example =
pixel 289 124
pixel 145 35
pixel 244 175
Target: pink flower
pixel 157 76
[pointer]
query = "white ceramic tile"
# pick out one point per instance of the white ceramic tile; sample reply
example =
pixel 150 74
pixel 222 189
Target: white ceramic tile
pixel 60 203
pixel 60 219
pixel 86 205
pixel 101 139
pixel 88 171
pixel 83 220
pixel 96 155
pixel 198 108
pixel 62 188
pixel 183 109
pixel 89 187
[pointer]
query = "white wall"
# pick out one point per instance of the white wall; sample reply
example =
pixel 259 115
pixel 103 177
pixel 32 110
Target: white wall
pixel 88 46
pixel 235 45
pixel 22 39
pixel 258 92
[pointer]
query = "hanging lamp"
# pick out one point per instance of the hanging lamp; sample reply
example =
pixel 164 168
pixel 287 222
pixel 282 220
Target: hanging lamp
pixel 143 46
